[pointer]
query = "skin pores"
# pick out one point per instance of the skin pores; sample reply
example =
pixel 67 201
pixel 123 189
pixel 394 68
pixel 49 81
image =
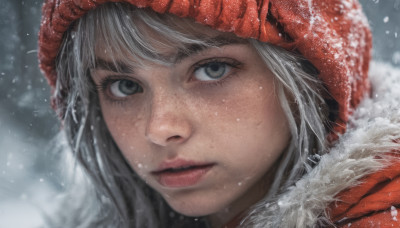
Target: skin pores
pixel 204 132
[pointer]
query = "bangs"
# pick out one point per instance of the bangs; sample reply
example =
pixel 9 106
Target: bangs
pixel 135 35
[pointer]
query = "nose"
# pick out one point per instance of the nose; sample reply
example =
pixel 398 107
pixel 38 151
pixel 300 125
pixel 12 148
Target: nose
pixel 168 123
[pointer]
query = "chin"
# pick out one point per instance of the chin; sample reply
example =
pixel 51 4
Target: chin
pixel 193 208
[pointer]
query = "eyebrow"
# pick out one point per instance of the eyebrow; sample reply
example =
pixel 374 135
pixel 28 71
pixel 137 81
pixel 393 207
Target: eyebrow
pixel 189 50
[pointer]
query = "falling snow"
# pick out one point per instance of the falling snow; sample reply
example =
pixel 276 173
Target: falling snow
pixel 27 121
pixel 386 19
pixel 393 212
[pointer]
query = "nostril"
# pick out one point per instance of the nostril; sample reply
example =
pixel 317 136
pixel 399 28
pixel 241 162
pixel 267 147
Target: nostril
pixel 174 138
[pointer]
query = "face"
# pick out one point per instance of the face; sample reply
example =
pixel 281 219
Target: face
pixel 203 131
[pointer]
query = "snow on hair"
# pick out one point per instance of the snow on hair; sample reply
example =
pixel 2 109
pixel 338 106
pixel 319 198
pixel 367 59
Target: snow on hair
pixel 124 199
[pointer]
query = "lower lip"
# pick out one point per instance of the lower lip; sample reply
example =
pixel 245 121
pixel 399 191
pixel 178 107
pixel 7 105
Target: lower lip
pixel 185 178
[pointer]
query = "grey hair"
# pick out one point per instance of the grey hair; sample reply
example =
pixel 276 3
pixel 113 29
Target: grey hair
pixel 124 199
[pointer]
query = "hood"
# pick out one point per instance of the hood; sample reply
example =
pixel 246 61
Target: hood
pixel 371 132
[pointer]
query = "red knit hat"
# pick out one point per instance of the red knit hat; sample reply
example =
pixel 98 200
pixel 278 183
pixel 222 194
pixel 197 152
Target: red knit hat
pixel 332 34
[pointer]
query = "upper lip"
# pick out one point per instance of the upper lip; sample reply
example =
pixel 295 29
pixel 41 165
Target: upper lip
pixel 179 164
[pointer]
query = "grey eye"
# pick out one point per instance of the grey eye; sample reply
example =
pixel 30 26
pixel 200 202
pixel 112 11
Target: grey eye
pixel 215 70
pixel 212 71
pixel 123 88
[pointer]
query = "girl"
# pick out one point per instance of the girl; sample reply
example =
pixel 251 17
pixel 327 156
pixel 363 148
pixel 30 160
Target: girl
pixel 222 113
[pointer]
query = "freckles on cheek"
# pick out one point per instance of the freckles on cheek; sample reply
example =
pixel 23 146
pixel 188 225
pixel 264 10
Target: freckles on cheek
pixel 244 107
pixel 120 121
pixel 125 130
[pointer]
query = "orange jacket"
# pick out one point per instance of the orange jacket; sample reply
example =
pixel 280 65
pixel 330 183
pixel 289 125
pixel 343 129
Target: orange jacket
pixel 373 203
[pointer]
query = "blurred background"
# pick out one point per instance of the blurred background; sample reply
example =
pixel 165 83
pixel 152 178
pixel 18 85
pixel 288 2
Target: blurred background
pixel 30 176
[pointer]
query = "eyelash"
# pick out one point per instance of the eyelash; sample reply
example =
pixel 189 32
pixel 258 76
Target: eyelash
pixel 104 85
pixel 229 62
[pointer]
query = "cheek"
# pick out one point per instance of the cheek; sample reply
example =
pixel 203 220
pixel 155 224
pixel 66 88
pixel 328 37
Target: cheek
pixel 253 107
pixel 252 127
pixel 124 125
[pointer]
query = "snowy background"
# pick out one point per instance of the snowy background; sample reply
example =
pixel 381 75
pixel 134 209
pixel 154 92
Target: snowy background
pixel 30 177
